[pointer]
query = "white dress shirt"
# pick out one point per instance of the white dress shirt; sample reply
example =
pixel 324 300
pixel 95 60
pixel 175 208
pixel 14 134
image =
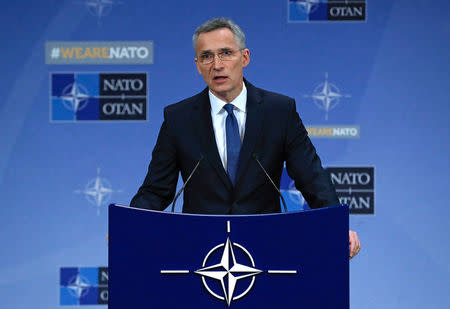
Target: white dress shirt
pixel 219 116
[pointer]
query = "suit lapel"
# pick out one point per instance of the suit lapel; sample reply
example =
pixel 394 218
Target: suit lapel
pixel 253 128
pixel 202 122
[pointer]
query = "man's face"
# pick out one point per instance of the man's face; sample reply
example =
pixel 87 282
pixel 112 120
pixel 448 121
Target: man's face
pixel 224 78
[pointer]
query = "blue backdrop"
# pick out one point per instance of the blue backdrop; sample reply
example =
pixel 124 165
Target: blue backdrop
pixel 391 75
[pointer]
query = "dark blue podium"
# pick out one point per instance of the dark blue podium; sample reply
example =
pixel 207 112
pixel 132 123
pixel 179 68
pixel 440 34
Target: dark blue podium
pixel 171 260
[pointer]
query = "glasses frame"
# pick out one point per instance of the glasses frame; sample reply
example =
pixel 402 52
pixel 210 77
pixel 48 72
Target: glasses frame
pixel 220 55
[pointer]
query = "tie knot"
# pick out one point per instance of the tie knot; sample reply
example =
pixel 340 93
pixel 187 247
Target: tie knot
pixel 229 108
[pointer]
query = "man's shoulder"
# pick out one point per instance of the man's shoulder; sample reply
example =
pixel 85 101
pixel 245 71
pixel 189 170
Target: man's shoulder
pixel 271 95
pixel 186 104
pixel 270 99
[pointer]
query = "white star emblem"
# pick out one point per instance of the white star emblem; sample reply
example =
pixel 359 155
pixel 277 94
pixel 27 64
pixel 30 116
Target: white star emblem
pixel 228 272
pixel 308 5
pixel 98 191
pixel 326 96
pixel 78 286
pixel 75 97
pixel 295 195
pixel 99 8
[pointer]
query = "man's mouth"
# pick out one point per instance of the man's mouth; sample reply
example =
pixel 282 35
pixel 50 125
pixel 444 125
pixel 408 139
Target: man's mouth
pixel 220 77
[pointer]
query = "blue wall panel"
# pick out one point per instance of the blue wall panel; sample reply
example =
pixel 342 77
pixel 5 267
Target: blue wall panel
pixel 391 72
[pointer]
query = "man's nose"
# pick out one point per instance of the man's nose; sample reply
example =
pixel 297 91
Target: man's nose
pixel 217 62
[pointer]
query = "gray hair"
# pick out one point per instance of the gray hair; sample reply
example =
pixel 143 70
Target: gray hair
pixel 217 23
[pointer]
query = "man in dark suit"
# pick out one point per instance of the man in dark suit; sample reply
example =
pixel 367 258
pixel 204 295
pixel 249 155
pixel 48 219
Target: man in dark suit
pixel 228 130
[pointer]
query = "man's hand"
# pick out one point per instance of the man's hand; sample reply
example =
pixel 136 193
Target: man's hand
pixel 355 245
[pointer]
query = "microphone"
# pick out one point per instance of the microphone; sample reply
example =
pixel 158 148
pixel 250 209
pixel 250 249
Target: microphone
pixel 186 182
pixel 254 156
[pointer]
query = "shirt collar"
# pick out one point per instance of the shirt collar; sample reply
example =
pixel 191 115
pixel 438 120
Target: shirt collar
pixel 240 102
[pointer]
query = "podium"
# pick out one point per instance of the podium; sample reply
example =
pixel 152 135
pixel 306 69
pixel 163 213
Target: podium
pixel 172 260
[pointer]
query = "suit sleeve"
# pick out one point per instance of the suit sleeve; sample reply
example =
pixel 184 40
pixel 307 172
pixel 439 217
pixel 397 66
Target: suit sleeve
pixel 159 185
pixel 303 164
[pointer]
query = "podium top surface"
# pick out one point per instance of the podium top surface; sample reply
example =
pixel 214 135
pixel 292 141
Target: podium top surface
pixel 344 208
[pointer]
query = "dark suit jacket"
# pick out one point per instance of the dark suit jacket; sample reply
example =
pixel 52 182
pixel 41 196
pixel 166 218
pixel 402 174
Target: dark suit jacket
pixel 273 132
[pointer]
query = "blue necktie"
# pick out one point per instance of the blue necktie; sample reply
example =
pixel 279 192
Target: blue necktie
pixel 233 142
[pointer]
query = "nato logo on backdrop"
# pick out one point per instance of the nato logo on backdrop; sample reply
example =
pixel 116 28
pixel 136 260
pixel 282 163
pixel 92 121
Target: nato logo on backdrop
pixel 355 186
pixel 83 286
pixel 99 8
pixel 78 97
pixel 326 96
pixel 98 191
pixel 326 10
pixel 293 198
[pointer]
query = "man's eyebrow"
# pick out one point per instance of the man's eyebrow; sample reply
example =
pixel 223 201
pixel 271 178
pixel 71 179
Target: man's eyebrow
pixel 208 51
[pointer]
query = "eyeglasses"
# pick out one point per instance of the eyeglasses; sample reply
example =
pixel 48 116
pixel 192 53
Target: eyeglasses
pixel 224 55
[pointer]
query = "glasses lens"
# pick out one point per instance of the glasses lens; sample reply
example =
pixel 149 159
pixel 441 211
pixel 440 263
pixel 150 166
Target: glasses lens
pixel 206 58
pixel 226 55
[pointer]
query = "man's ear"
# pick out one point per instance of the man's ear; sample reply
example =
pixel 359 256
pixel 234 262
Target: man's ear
pixel 197 65
pixel 245 57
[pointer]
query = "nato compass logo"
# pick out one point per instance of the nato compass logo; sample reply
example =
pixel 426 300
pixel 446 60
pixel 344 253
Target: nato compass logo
pixel 327 96
pixel 326 10
pixel 74 97
pixel 78 97
pixel 99 8
pixel 306 6
pixel 233 276
pixel 98 191
pixel 228 272
pixel 83 286
pixel 293 198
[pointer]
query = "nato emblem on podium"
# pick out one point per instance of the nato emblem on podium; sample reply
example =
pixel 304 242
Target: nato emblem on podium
pixel 229 272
